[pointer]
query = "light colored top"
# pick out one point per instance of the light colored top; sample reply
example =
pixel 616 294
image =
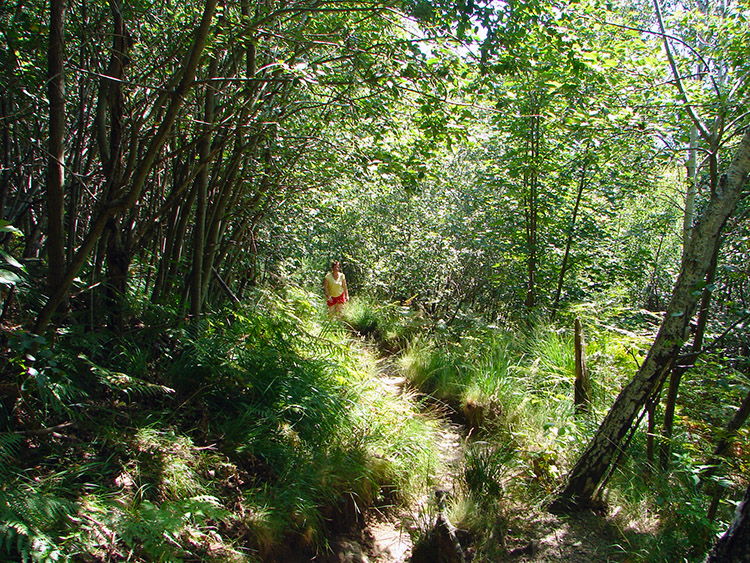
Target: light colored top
pixel 335 286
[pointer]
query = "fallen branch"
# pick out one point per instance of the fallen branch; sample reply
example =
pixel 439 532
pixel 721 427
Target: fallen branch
pixel 45 431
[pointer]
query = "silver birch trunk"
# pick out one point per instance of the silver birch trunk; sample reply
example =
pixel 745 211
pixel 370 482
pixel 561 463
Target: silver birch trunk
pixel 583 483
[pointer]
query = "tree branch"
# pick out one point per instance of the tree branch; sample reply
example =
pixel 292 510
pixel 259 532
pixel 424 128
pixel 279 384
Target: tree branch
pixel 705 133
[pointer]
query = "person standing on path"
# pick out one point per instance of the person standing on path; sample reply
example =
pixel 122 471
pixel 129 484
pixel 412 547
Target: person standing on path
pixel 334 285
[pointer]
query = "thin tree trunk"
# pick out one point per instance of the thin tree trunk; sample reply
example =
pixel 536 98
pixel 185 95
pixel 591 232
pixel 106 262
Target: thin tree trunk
pixel 531 179
pixel 217 221
pixel 201 184
pixel 665 446
pixel 692 189
pixel 165 251
pixel 720 451
pixel 723 445
pixel 569 241
pixel 110 102
pixel 180 238
pixel 56 147
pixel 5 110
pixel 582 484
pixel 650 435
pixel 582 398
pixel 75 188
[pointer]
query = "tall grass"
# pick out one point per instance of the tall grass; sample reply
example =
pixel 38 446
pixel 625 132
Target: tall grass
pixel 436 367
pixel 390 325
pixel 510 381
pixel 517 392
pixel 256 432
pixel 307 416
pixel 247 435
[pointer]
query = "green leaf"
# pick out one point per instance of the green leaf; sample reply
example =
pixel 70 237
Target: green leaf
pixel 8 278
pixel 6 227
pixel 11 261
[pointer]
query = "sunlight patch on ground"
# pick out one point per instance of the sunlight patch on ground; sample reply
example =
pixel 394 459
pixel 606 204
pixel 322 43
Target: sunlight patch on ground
pixel 390 543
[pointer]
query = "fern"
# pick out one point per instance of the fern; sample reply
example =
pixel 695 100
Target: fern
pixel 28 518
pixel 56 391
pixel 10 445
pixel 156 529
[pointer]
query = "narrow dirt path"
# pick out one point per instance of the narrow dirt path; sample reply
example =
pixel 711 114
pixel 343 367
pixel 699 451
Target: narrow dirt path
pixel 391 541
pixel 390 537
pixel 533 535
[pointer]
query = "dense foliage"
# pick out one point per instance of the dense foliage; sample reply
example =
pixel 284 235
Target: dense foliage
pixel 176 179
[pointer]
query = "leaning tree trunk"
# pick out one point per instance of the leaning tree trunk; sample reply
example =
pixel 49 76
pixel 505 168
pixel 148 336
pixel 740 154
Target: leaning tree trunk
pixel 678 371
pixel 582 485
pixel 734 545
pixel 687 228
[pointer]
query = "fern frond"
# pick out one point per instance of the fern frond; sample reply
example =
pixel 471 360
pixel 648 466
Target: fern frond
pixel 156 529
pixel 10 445
pixel 27 518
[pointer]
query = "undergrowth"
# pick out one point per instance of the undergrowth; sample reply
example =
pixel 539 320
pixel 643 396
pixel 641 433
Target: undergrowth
pixel 390 325
pixel 259 432
pixel 252 433
pixel 516 395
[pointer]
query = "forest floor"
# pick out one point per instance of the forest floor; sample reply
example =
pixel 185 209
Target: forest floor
pixel 386 536
pixel 533 535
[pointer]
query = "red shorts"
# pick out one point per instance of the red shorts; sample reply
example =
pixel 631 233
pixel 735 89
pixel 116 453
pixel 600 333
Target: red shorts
pixel 334 300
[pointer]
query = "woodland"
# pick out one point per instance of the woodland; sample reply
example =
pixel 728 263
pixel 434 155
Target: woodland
pixel 541 210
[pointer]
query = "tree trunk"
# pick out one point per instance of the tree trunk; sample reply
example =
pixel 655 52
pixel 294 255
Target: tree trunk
pixel 531 181
pixel 56 157
pixel 582 484
pixel 691 167
pixel 217 221
pixel 119 255
pixel 201 186
pixel 692 188
pixel 734 545
pixel 76 187
pixel 725 442
pixel 677 371
pixel 569 241
pixel 665 447
pixel 167 245
pixel 721 449
pixel 111 104
pixel 583 384
pixel 5 111
pixel 650 446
